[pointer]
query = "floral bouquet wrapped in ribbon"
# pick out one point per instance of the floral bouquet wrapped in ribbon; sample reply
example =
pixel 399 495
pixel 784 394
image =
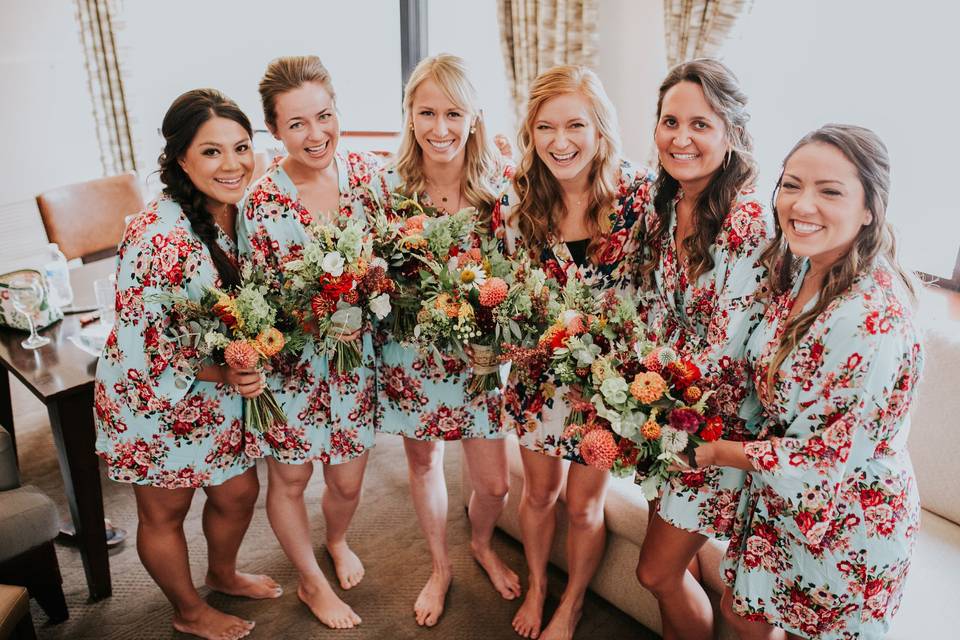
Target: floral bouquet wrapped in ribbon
pixel 243 329
pixel 335 286
pixel 409 240
pixel 477 302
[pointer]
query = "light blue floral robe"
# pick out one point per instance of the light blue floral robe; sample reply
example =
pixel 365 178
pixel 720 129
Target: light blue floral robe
pixel 709 322
pixel 830 514
pixel 419 399
pixel 330 414
pixel 156 423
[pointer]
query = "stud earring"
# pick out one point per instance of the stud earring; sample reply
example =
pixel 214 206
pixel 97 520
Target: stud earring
pixel 411 126
pixel 473 129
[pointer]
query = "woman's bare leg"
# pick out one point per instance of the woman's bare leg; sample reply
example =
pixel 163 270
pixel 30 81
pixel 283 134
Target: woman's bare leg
pixel 344 483
pixel 586 493
pixel 226 517
pixel 542 481
pixel 662 569
pixel 287 513
pixel 162 547
pixel 487 465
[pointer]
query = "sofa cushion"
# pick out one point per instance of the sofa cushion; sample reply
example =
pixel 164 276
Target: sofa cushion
pixel 934 446
pixel 929 609
pixel 28 518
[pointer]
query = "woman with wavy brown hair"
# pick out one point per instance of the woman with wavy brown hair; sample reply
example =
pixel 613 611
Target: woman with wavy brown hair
pixel 823 540
pixel 702 273
pixel 576 209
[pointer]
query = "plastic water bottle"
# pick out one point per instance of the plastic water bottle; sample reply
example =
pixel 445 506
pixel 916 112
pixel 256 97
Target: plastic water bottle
pixel 58 276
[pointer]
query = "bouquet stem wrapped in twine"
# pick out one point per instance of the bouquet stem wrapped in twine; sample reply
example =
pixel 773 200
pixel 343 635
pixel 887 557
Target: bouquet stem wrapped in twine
pixel 486 368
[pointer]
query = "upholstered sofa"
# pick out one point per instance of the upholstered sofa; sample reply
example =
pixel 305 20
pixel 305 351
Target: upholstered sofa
pixel 929 608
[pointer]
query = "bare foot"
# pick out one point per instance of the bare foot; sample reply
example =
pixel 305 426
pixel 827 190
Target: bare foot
pixel 429 605
pixel 530 615
pixel 563 623
pixel 245 585
pixel 327 606
pixel 210 624
pixel 504 580
pixel 349 569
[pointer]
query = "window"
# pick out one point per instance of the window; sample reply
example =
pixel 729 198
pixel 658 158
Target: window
pixel 883 65
pixel 171 47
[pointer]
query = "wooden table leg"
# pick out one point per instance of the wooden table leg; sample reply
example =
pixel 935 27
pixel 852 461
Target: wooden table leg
pixel 74 433
pixel 6 406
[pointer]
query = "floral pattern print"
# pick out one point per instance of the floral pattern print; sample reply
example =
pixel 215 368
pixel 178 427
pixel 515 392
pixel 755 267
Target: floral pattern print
pixel 829 517
pixel 330 414
pixel 156 423
pixel 709 322
pixel 538 414
pixel 416 394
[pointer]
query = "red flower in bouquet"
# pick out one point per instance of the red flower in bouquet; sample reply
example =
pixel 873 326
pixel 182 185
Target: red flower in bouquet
pixel 713 429
pixel 683 373
pixel 685 419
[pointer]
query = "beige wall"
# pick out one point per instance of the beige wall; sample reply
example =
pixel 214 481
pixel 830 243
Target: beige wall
pixel 46 116
pixel 632 62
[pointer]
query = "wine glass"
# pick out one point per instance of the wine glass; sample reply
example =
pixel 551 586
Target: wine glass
pixel 26 293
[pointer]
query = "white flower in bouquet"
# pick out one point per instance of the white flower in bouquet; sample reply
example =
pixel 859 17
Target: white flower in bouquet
pixel 350 242
pixel 673 440
pixel 215 340
pixel 614 390
pixel 313 253
pixel 377 261
pixel 332 263
pixel 380 306
pixel 347 319
pixel 472 275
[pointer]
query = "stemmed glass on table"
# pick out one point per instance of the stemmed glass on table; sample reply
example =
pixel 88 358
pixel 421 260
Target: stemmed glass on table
pixel 26 293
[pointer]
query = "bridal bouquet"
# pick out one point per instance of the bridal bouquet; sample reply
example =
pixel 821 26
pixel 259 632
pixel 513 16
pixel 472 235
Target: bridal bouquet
pixel 409 239
pixel 335 286
pixel 242 328
pixel 476 303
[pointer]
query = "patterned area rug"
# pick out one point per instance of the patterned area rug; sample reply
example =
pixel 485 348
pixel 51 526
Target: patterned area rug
pixel 384 533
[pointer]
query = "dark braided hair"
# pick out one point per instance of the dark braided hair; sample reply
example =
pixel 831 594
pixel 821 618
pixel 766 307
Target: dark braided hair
pixel 183 119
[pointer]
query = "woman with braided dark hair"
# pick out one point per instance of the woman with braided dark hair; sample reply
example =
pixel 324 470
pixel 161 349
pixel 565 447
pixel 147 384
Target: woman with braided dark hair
pixel 168 422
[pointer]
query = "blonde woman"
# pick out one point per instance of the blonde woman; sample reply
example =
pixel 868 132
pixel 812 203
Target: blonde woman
pixel 576 207
pixel 330 413
pixel 447 161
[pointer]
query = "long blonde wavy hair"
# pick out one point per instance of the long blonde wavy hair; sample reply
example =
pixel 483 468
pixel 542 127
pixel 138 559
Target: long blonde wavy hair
pixel 866 151
pixel 449 72
pixel 539 197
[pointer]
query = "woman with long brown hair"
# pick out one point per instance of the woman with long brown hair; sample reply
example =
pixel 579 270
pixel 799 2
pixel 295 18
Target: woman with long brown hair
pixel 823 539
pixel 702 274
pixel 576 209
